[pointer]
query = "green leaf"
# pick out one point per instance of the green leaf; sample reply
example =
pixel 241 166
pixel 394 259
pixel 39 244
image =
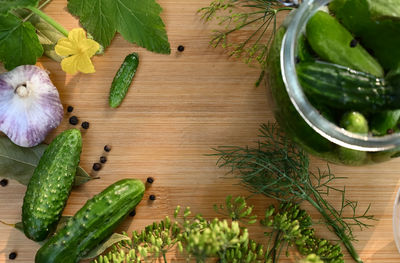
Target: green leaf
pixel 113 239
pixel 19 44
pixel 8 5
pixel 138 21
pixel 63 221
pixel 18 163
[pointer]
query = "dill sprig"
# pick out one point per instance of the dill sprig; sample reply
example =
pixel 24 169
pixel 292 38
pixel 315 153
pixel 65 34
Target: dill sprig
pixel 257 16
pixel 277 168
pixel 226 239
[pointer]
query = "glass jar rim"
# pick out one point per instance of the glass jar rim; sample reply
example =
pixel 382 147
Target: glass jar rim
pixel 299 100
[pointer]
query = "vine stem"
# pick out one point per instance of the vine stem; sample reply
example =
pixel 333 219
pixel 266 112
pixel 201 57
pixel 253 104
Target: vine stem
pixel 39 7
pixel 165 258
pixel 49 20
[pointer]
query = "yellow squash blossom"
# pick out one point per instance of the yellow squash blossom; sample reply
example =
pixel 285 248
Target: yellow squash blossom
pixel 78 50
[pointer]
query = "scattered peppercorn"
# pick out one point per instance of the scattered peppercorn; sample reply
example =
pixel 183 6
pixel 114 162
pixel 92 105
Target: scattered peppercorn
pixel 85 125
pixel 150 180
pixel 4 182
pixel 152 197
pixel 389 131
pixel 12 255
pixel 107 148
pixel 73 120
pixel 133 213
pixel 70 108
pixel 103 159
pixel 297 60
pixel 353 43
pixel 96 166
pixel 181 48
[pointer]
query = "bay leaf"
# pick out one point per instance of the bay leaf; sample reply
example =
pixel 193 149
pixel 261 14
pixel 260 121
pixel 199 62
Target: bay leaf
pixel 63 221
pixel 100 249
pixel 18 163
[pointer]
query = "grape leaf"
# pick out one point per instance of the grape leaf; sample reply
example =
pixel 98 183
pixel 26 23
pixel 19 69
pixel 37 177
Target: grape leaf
pixel 19 44
pixel 138 21
pixel 8 5
pixel 18 163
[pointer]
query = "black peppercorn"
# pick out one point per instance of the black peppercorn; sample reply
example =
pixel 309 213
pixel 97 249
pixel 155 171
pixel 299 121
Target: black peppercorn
pixel 297 60
pixel 96 166
pixel 133 213
pixel 103 159
pixel 85 125
pixel 107 148
pixel 12 255
pixel 4 182
pixel 73 120
pixel 389 131
pixel 181 48
pixel 70 108
pixel 152 197
pixel 150 180
pixel 353 43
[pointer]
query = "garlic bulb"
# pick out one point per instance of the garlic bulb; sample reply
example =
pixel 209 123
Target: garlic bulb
pixel 30 105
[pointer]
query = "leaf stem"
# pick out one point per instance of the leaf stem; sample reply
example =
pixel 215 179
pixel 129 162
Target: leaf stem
pixel 165 258
pixel 39 7
pixel 49 20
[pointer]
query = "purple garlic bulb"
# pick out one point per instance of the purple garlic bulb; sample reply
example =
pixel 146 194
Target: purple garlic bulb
pixel 30 105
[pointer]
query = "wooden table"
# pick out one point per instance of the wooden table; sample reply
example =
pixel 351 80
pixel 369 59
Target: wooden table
pixel 179 107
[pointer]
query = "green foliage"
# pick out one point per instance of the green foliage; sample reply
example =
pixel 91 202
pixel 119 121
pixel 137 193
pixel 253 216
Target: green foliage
pixel 18 163
pixel 277 168
pixel 258 17
pixel 8 5
pixel 19 44
pixel 225 239
pixel 138 22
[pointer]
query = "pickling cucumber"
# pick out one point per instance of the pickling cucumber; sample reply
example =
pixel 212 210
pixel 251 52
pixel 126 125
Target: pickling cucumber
pixel 50 185
pixel 94 222
pixel 332 42
pixel 123 80
pixel 346 89
pixel 354 122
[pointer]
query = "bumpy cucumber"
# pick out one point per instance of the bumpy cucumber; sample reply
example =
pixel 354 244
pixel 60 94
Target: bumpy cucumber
pixel 123 79
pixel 94 222
pixel 331 41
pixel 50 185
pixel 346 89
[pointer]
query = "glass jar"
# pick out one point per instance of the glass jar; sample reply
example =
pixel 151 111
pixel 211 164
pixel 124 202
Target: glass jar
pixel 300 120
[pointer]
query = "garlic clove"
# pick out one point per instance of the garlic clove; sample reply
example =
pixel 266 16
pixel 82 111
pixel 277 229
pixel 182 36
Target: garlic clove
pixel 30 105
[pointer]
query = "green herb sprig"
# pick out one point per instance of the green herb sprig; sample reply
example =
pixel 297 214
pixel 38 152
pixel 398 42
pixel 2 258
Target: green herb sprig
pixel 257 16
pixel 226 239
pixel 277 168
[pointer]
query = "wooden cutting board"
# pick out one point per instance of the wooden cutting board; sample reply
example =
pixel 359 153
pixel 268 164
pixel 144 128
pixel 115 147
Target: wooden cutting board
pixel 180 106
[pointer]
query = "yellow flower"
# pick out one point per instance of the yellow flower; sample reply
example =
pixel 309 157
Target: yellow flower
pixel 78 50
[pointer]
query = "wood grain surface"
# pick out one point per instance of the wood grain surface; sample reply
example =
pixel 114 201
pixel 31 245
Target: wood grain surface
pixel 179 107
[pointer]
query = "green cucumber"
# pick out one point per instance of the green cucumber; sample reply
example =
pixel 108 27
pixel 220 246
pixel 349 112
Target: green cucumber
pixel 342 88
pixel 376 23
pixel 94 222
pixel 357 123
pixel 123 80
pixel 331 41
pixel 383 121
pixel 50 185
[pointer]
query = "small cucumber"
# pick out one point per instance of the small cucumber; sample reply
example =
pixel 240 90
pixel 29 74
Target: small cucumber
pixel 346 89
pixel 383 121
pixel 123 79
pixel 94 222
pixel 357 123
pixel 50 185
pixel 331 41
